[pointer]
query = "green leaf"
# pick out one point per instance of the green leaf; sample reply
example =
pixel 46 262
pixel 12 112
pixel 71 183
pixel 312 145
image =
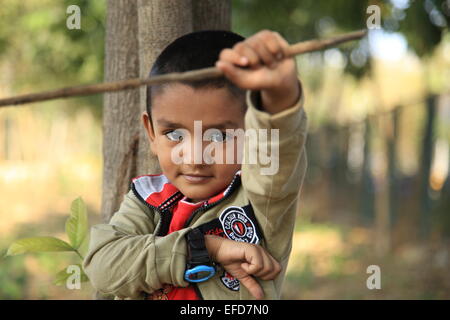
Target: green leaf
pixel 77 223
pixel 38 244
pixel 61 276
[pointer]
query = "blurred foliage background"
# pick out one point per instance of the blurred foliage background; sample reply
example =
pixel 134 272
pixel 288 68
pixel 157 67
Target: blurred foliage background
pixel 377 190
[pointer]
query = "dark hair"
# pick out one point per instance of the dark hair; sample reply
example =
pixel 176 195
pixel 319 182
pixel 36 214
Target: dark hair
pixel 193 51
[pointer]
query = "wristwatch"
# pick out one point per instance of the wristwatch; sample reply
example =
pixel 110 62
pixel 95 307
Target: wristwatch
pixel 199 265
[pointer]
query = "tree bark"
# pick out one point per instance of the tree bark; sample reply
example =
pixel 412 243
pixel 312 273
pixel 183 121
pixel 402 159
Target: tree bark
pixel 426 161
pixel 211 15
pixel 160 22
pixel 120 109
pixel 382 200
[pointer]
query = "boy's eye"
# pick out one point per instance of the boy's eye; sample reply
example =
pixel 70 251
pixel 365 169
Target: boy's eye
pixel 174 135
pixel 217 136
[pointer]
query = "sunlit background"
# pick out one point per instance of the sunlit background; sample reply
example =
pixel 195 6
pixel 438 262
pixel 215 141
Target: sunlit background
pixel 377 190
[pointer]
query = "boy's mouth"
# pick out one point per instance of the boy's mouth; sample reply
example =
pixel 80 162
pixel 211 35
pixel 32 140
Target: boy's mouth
pixel 195 178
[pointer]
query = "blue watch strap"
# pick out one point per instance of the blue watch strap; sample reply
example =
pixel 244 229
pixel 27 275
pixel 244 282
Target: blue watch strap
pixel 199 273
pixel 199 265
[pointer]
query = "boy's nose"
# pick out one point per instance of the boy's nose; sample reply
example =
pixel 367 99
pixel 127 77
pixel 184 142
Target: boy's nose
pixel 192 153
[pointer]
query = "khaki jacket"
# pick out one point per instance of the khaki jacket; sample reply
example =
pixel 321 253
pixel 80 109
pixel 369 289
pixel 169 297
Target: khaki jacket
pixel 128 258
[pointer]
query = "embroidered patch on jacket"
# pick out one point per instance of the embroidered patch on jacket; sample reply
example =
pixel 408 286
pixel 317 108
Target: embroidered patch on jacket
pixel 238 226
pixel 230 282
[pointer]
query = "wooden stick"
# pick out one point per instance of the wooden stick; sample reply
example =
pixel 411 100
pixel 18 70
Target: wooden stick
pixel 318 44
pixel 206 73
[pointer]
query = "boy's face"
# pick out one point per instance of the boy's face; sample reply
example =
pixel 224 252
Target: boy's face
pixel 173 113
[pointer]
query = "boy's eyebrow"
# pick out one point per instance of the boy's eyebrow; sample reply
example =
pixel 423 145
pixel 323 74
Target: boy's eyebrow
pixel 222 125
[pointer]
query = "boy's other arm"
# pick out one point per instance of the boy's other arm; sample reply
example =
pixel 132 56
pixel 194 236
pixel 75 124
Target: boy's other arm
pixel 125 258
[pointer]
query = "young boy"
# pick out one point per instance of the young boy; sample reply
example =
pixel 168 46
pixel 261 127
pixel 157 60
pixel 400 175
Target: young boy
pixel 206 229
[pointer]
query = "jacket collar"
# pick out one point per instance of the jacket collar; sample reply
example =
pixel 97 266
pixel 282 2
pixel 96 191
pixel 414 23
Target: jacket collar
pixel 157 191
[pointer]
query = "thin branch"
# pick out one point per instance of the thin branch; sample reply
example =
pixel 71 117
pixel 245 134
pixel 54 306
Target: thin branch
pixel 207 73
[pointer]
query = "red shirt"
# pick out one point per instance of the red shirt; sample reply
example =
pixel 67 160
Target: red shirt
pixel 181 212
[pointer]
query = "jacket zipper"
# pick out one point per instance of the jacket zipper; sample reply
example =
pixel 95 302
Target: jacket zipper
pixel 158 226
pixel 209 205
pixel 188 222
pixel 202 209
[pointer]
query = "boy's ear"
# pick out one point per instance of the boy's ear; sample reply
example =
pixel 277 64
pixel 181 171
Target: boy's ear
pixel 147 121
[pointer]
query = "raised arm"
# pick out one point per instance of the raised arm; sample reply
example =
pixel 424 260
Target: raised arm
pixel 275 104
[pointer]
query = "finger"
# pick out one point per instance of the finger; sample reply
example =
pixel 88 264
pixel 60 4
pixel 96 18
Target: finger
pixel 254 260
pixel 281 40
pixel 284 45
pixel 235 74
pixel 233 56
pixel 274 44
pixel 259 46
pixel 253 269
pixel 268 274
pixel 276 269
pixel 271 266
pixel 243 49
pixel 252 286
pixel 267 266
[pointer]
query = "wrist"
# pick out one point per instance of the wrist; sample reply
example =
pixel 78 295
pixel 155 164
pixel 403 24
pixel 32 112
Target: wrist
pixel 199 266
pixel 213 244
pixel 282 97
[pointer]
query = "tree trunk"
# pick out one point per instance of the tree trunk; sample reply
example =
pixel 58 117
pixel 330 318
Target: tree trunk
pixel 211 15
pixel 393 183
pixel 382 201
pixel 120 109
pixel 160 22
pixel 425 168
pixel 367 182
